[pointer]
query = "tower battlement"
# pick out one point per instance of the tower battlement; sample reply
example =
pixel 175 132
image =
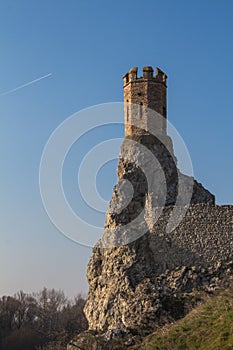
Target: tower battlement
pixel 143 95
pixel 148 74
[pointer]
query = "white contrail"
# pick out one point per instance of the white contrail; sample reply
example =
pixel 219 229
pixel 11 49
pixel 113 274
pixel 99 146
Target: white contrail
pixel 27 84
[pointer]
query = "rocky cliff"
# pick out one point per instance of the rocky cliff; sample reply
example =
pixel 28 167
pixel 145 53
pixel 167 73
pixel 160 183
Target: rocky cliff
pixel 165 242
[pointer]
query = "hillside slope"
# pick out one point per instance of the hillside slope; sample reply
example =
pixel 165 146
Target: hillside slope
pixel 207 327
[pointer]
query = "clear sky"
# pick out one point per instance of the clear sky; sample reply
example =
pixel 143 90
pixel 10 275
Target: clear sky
pixel 86 47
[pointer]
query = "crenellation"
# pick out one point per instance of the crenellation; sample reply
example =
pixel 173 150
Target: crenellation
pixel 148 72
pixel 161 76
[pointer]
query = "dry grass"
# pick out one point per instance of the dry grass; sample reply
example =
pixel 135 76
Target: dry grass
pixel 208 327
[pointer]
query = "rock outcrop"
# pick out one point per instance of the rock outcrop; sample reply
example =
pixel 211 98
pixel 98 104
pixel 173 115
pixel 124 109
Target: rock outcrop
pixel 145 274
pixel 129 285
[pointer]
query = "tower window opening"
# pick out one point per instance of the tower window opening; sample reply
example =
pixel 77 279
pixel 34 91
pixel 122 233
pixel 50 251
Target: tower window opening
pixel 164 111
pixel 140 110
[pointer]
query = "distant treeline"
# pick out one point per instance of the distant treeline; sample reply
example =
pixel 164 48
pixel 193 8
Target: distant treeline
pixel 39 320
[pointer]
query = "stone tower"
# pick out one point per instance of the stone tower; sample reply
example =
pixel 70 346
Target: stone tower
pixel 145 101
pixel 165 242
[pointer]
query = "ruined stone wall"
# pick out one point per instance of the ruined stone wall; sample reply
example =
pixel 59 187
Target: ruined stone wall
pixel 204 237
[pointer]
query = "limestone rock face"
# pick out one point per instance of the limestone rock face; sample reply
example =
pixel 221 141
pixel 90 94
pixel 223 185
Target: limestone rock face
pixel 164 242
pixel 148 178
pixel 131 285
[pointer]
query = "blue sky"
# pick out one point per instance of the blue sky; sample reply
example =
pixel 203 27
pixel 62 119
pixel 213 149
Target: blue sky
pixel 88 46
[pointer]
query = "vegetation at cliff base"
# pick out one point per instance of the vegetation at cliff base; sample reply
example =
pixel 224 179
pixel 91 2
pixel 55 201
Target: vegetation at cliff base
pixel 208 327
pixel 37 321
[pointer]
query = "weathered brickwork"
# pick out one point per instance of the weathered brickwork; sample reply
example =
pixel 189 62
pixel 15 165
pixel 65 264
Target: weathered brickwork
pixel 143 94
